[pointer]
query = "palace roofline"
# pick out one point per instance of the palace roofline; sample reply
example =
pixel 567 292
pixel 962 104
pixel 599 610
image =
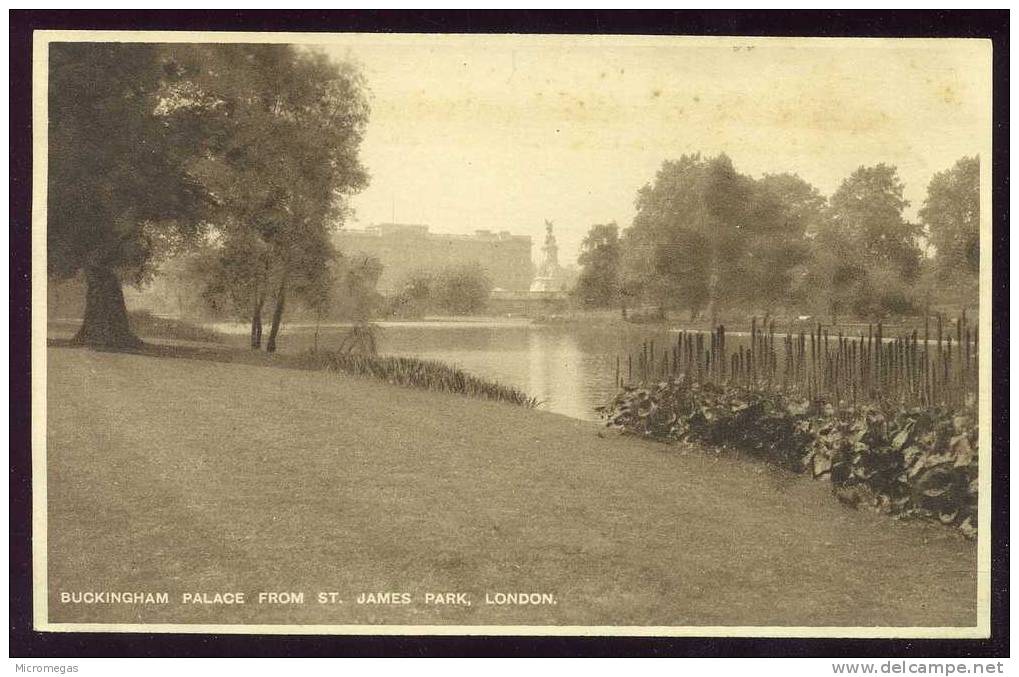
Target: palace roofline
pixel 422 230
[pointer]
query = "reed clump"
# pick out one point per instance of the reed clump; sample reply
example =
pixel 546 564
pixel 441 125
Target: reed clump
pixel 937 368
pixel 410 371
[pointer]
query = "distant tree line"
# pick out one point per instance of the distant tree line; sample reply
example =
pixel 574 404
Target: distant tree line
pixel 708 239
pixel 242 156
pixel 454 290
pixel 240 160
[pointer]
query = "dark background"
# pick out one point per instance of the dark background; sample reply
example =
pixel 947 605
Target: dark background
pixel 24 642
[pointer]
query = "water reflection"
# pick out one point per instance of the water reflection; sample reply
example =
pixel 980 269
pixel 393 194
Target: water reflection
pixel 571 369
pixel 555 373
pixel 546 362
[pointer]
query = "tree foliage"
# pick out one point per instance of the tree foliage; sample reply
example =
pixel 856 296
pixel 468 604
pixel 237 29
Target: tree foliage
pixel 867 210
pixel 706 235
pixel 461 290
pixel 599 284
pixel 413 297
pixel 455 290
pixel 782 254
pixel 120 193
pixel 951 215
pixel 867 255
pixel 282 162
pixel 153 147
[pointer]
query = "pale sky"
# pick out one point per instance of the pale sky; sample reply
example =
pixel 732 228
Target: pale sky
pixel 503 132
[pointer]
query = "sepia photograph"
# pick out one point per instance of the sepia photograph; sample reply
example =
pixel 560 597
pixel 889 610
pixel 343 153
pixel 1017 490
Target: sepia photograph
pixel 506 334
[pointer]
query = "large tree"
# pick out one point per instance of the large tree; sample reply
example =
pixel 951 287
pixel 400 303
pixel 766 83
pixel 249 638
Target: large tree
pixel 951 215
pixel 781 245
pixel 668 249
pixel 599 284
pixel 707 236
pixel 867 255
pixel 868 209
pixel 281 166
pixel 119 193
pixel 151 144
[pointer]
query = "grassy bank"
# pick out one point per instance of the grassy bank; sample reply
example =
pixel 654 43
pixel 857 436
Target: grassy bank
pixel 175 338
pixel 197 476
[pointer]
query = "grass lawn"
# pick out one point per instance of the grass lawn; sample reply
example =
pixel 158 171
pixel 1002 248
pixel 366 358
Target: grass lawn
pixel 179 475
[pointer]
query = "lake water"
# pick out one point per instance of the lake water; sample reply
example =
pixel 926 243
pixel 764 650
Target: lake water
pixel 570 369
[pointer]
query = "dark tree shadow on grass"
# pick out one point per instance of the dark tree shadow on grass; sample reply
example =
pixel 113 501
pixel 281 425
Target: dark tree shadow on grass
pixel 211 353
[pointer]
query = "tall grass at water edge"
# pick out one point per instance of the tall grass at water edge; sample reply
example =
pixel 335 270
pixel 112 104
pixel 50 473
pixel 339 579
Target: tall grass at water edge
pixel 410 371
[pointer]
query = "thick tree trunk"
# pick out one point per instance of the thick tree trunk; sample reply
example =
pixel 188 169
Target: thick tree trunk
pixel 277 316
pixel 256 323
pixel 105 326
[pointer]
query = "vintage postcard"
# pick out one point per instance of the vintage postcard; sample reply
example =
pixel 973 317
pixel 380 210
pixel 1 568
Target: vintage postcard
pixel 511 334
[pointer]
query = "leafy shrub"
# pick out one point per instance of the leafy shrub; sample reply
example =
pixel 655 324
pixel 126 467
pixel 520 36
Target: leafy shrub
pixel 413 296
pixel 455 290
pixel 462 290
pixel 913 463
